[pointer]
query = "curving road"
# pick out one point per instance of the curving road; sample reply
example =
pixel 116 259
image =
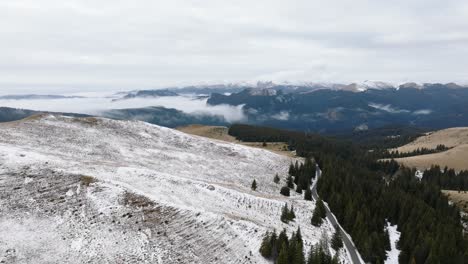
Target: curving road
pixel 352 250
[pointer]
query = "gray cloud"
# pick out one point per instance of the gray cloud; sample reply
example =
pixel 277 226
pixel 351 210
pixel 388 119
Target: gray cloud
pixel 84 45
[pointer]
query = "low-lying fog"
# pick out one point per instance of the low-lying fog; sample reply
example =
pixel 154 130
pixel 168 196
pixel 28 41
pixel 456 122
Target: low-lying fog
pixel 95 105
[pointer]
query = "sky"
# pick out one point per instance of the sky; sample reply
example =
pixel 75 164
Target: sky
pixel 56 46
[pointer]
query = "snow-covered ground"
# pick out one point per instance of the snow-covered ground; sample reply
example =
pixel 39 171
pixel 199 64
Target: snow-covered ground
pixel 97 190
pixel 394 237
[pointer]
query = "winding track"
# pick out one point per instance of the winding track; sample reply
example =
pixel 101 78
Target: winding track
pixel 353 252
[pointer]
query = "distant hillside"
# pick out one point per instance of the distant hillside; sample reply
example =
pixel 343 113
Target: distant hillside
pixel 456 157
pixel 162 116
pixel 12 114
pixel 8 114
pixel 433 106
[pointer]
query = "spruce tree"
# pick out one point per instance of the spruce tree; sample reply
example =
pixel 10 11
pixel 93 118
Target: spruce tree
pixel 291 214
pixel 285 191
pixel 282 238
pixel 265 248
pixel 316 219
pixel 337 241
pixel 254 185
pixel 285 214
pixel 274 245
pixel 308 194
pixel 299 235
pixel 321 207
pixel 276 179
pixel 299 188
pixel 299 254
pixel 290 182
pixel 283 257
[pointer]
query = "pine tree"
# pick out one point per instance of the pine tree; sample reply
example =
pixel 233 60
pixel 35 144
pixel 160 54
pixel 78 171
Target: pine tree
pixel 337 241
pixel 299 235
pixel 285 214
pixel 254 185
pixel 283 257
pixel 316 219
pixel 265 248
pixel 282 238
pixel 285 191
pixel 319 213
pixel 290 182
pixel 291 214
pixel 298 188
pixel 308 194
pixel 276 179
pixel 291 169
pixel 274 245
pixel 299 254
pixel 321 207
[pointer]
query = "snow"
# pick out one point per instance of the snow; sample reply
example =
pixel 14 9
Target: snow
pixel 392 255
pixel 175 217
pixel 419 174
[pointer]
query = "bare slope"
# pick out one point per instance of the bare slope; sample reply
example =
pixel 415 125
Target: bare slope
pixel 94 190
pixel 456 158
pixel 221 133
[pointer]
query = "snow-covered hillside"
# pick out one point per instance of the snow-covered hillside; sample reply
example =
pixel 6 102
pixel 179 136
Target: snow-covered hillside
pixel 96 190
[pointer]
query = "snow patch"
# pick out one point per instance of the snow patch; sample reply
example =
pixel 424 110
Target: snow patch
pixel 392 255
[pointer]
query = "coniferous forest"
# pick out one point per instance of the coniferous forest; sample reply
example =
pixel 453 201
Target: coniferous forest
pixel 365 194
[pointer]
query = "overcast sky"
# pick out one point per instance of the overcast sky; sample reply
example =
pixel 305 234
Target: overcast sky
pixel 98 45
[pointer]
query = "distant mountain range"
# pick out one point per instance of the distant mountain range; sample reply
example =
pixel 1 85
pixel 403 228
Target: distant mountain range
pixel 331 110
pixel 285 87
pixel 324 108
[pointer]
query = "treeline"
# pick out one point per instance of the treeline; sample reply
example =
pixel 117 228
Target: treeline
pixel 284 250
pixel 364 194
pixel 446 179
pixel 384 137
pixel 419 151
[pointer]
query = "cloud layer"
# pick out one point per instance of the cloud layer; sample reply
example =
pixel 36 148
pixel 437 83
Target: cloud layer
pixel 83 45
pixel 96 105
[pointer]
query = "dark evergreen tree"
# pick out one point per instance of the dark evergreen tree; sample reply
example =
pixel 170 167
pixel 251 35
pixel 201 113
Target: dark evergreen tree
pixel 291 214
pixel 276 179
pixel 254 185
pixel 283 257
pixel 266 246
pixel 308 194
pixel 285 191
pixel 337 241
pixel 316 219
pixel 285 214
pixel 290 182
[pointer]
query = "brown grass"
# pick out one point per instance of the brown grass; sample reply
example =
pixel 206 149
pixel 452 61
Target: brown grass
pixel 214 132
pixel 459 198
pixel 221 133
pixel 456 157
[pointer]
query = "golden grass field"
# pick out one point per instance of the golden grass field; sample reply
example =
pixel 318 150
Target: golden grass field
pixel 459 198
pixel 221 133
pixel 456 157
